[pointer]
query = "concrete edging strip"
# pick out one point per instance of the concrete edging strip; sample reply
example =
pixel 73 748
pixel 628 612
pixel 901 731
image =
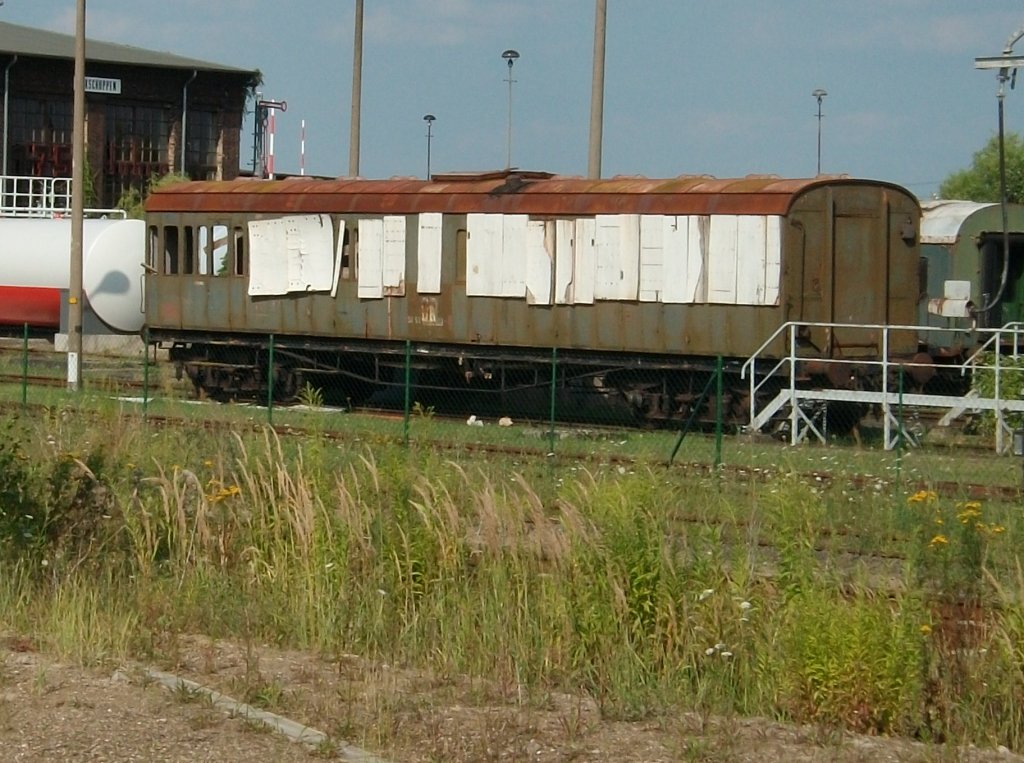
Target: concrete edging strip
pixel 291 729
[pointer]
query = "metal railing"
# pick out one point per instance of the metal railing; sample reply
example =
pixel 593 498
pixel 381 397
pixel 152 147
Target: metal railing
pixel 769 372
pixel 26 196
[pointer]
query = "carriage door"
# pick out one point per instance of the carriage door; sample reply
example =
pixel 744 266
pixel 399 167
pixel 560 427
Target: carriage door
pixel 860 278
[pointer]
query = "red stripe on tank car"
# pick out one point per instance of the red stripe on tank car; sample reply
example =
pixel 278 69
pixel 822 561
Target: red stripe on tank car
pixel 38 307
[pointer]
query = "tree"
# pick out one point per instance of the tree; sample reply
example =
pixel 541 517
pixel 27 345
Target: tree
pixel 133 202
pixel 980 181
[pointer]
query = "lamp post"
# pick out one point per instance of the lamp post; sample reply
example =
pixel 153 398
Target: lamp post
pixel 510 56
pixel 429 119
pixel 820 94
pixel 1006 65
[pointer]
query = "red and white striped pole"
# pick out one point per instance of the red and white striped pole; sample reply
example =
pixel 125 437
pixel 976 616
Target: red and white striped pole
pixel 270 145
pixel 302 148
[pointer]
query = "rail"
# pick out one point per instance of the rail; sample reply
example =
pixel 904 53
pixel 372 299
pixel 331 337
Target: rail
pixel 47 197
pixel 780 373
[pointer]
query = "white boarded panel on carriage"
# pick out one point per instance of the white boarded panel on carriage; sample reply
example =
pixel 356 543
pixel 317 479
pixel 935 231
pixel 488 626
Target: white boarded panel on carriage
pixel 565 232
pixel 483 255
pixel 773 261
pixel 339 250
pixel 618 257
pixel 268 269
pixel 428 253
pixel 539 245
pixel 750 259
pixel 722 255
pixel 513 256
pixel 370 258
pixel 684 260
pixel 394 256
pixel 310 243
pixel 584 256
pixel 652 255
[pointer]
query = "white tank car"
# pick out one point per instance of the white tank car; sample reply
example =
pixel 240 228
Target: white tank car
pixel 35 257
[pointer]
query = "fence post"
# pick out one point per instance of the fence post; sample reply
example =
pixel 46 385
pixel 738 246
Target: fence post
pixel 408 391
pixel 270 381
pixel 24 369
pixel 554 381
pixel 719 412
pixel 145 373
pixel 899 426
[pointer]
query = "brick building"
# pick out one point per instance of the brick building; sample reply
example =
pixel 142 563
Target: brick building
pixel 147 112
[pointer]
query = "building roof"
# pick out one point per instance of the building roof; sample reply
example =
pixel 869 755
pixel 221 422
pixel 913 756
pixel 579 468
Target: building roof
pixel 28 41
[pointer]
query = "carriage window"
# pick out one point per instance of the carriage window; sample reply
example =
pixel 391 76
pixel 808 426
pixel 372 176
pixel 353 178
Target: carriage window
pixel 239 265
pixel 153 248
pixel 170 250
pixel 460 257
pixel 188 264
pixel 204 251
pixel 346 256
pixel 219 250
pixel 350 254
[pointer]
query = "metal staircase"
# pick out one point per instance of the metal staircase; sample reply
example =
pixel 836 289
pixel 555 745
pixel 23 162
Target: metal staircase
pixel 799 403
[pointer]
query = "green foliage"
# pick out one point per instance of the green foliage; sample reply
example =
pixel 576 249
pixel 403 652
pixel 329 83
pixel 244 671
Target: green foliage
pixel 950 545
pixel 52 510
pixel 854 663
pixel 422 411
pixel 980 181
pixel 653 591
pixel 21 511
pixel 89 197
pixel 311 396
pixel 1011 385
pixel 133 201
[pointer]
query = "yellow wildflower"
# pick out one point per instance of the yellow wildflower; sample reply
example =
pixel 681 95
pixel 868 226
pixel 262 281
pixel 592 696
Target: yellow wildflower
pixel 938 540
pixel 923 496
pixel 926 629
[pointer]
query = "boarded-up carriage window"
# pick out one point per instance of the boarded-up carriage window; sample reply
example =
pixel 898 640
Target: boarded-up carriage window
pixel 428 253
pixel 495 255
pixel 291 254
pixel 382 257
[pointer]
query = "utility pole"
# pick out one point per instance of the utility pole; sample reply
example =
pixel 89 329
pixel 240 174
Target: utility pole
pixel 357 87
pixel 77 183
pixel 597 91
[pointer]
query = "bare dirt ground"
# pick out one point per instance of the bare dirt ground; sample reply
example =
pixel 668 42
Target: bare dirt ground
pixel 50 711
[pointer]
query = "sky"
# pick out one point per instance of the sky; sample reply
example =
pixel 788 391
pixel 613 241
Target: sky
pixel 716 87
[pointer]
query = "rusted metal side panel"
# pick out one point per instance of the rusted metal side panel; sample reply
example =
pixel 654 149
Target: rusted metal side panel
pixel 856 252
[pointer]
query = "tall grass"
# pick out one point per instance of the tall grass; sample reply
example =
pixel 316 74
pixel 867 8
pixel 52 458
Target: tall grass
pixel 650 590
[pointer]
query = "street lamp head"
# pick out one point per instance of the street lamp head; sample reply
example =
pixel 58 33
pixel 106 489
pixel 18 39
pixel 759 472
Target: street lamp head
pixel 510 56
pixel 429 118
pixel 819 93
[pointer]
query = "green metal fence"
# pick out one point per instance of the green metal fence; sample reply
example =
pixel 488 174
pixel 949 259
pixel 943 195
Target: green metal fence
pixel 410 410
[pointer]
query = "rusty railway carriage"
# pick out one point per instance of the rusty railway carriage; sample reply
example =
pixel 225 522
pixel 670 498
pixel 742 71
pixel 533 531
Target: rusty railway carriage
pixel 639 284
